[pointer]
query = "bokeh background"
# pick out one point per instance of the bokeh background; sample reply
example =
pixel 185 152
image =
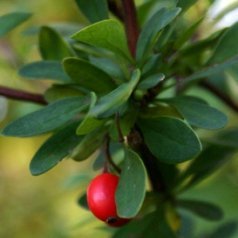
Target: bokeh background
pixel 46 206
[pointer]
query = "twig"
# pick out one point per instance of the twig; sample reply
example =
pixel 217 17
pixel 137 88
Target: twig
pixel 120 134
pixel 108 156
pixel 130 20
pixel 22 95
pixel 224 97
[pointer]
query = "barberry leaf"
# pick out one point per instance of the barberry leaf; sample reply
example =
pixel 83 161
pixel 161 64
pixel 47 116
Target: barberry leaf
pixel 56 148
pixel 170 139
pixel 130 192
pixel 48 118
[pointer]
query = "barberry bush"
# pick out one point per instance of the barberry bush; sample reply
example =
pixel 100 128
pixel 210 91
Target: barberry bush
pixel 131 83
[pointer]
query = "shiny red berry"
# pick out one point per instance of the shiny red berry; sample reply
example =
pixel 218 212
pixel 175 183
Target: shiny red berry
pixel 101 199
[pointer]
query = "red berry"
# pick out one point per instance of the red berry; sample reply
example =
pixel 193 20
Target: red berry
pixel 101 199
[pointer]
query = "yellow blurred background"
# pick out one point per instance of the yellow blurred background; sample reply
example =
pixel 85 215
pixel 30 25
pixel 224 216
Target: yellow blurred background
pixel 46 206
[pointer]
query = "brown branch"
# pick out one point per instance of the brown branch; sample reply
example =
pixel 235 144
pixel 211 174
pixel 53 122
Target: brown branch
pixel 130 19
pixel 22 95
pixel 217 92
pixel 109 159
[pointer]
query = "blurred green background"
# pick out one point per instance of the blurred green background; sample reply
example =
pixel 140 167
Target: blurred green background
pixel 46 206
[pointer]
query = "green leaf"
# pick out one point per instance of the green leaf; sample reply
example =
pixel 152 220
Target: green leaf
pixel 52 45
pixel 130 192
pixel 11 20
pixel 150 31
pixel 44 70
pixel 90 143
pixel 58 91
pixel 227 47
pixel 89 123
pixel 210 70
pixel 212 158
pixel 151 81
pixel 108 34
pixel 88 76
pixel 225 230
pixel 170 139
pixel 150 226
pixel 3 107
pixel 82 201
pixel 95 11
pixel 111 102
pixel 46 119
pixel 186 4
pixel 56 148
pixel 203 209
pixel 198 113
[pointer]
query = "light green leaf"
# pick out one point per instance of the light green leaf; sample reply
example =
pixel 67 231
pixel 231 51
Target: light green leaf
pixel 203 209
pixel 130 192
pixel 11 20
pixel 186 4
pixel 151 81
pixel 88 76
pixel 108 34
pixel 89 123
pixel 111 102
pixel 90 143
pixel 44 70
pixel 52 45
pixel 198 113
pixel 56 148
pixel 227 47
pixel 170 139
pixel 46 119
pixel 95 11
pixel 210 70
pixel 150 31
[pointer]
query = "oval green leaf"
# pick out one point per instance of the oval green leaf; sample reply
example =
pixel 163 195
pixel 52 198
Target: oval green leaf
pixel 88 76
pixel 11 20
pixel 44 70
pixel 198 113
pixel 47 119
pixel 56 148
pixel 170 139
pixel 130 192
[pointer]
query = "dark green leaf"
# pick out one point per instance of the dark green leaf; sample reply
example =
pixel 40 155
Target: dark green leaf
pixel 95 11
pixel 170 139
pixel 108 34
pixel 89 123
pixel 56 148
pixel 46 119
pixel 213 69
pixel 82 201
pixel 226 230
pixel 89 144
pixel 52 45
pixel 151 81
pixel 198 113
pixel 88 76
pixel 205 164
pixel 203 209
pixel 130 192
pixel 150 31
pixel 151 226
pixel 58 91
pixel 186 4
pixel 111 102
pixel 11 20
pixel 227 46
pixel 44 70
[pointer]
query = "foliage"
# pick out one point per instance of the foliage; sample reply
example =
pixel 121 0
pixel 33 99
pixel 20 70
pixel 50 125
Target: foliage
pixel 105 93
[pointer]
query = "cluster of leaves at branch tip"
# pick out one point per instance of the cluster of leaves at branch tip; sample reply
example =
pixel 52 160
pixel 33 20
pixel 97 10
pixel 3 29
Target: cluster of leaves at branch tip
pixel 95 78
